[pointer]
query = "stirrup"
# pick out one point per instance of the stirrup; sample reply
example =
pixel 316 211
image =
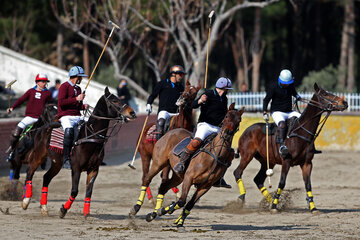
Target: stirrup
pixel 284 151
pixel 67 165
pixel 10 157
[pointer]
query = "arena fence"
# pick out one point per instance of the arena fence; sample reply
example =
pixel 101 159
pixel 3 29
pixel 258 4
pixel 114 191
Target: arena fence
pixel 254 101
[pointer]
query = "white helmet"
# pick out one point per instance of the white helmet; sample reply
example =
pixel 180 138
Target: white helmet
pixel 285 77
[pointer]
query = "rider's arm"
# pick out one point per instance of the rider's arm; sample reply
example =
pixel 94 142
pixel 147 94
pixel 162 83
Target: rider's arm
pixel 268 97
pixel 155 92
pixel 22 99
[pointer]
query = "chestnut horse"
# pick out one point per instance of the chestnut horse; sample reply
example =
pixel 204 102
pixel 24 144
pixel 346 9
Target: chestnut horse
pixel 300 142
pixel 203 171
pixel 87 154
pixel 183 120
pixel 26 143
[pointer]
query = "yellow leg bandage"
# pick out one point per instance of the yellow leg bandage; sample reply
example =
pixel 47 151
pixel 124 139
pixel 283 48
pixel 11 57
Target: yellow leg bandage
pixel 266 194
pixel 159 201
pixel 241 186
pixel 142 196
pixel 180 219
pixel 311 201
pixel 278 193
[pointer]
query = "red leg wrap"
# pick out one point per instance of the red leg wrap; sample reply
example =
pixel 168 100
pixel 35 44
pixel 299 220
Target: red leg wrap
pixel 87 206
pixel 175 189
pixel 24 192
pixel 44 193
pixel 28 189
pixel 69 202
pixel 148 192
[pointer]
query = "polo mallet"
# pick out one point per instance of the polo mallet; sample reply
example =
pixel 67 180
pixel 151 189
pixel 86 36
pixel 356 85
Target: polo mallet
pixel 269 172
pixel 107 41
pixel 208 45
pixel 131 165
pixel 8 86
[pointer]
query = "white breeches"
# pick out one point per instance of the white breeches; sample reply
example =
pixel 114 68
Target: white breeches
pixel 282 116
pixel 165 115
pixel 204 129
pixel 26 121
pixel 69 121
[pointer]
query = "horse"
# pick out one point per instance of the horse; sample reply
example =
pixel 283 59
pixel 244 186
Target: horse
pixel 26 143
pixel 300 142
pixel 183 120
pixel 204 169
pixel 87 154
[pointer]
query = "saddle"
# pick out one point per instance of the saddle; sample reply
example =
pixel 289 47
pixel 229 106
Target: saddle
pixel 290 125
pixel 57 136
pixel 180 147
pixel 151 133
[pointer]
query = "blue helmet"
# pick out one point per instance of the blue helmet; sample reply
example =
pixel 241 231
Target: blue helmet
pixel 223 83
pixel 77 71
pixel 285 77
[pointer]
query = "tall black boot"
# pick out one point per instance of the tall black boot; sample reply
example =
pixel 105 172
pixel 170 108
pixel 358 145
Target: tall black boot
pixel 13 141
pixel 185 156
pixel 221 183
pixel 283 150
pixel 68 141
pixel 160 128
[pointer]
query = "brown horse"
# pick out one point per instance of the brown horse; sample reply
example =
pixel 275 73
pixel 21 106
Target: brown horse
pixel 300 142
pixel 203 171
pixel 183 120
pixel 87 154
pixel 26 143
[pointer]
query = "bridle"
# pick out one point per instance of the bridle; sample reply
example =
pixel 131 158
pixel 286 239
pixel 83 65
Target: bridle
pixel 111 105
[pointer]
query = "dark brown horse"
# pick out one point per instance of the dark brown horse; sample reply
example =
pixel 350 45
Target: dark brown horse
pixel 300 142
pixel 203 171
pixel 183 120
pixel 86 155
pixel 26 143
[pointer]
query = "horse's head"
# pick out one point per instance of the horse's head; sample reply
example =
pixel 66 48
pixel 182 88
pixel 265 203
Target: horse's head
pixel 329 101
pixel 232 119
pixel 117 109
pixel 49 113
pixel 188 95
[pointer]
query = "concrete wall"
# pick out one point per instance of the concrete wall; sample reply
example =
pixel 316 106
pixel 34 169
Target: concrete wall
pixel 24 69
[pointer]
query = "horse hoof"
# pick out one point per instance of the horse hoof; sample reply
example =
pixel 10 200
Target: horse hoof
pixel 151 216
pixel 161 211
pixel 181 228
pixel 242 197
pixel 134 210
pixel 86 215
pixel 274 210
pixel 44 211
pixel 315 211
pixel 25 203
pixel 62 212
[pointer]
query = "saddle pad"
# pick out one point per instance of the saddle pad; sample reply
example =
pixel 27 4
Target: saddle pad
pixel 150 135
pixel 179 148
pixel 57 139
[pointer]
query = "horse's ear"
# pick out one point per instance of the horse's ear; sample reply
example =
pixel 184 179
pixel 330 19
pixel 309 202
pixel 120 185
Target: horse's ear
pixel 316 87
pixel 107 92
pixel 188 83
pixel 242 110
pixel 232 106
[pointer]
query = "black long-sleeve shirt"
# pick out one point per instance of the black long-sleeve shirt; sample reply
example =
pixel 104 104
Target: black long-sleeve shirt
pixel 214 109
pixel 281 98
pixel 169 93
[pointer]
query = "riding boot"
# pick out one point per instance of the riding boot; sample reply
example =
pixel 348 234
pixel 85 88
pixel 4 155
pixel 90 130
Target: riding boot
pixel 283 150
pixel 68 142
pixel 314 150
pixel 13 141
pixel 221 183
pixel 159 128
pixel 185 156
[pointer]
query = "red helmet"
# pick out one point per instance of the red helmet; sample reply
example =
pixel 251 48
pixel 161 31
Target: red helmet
pixel 42 77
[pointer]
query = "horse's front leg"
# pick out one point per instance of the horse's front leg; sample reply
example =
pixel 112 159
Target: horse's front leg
pixel 284 172
pixel 74 192
pixel 306 172
pixel 186 211
pixel 89 187
pixel 48 176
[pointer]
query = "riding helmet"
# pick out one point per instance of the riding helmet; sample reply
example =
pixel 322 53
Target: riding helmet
pixel 42 77
pixel 223 83
pixel 77 71
pixel 285 77
pixel 177 69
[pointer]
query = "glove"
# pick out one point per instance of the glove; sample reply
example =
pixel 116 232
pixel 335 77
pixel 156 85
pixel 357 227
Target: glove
pixel 266 117
pixel 148 108
pixel 298 98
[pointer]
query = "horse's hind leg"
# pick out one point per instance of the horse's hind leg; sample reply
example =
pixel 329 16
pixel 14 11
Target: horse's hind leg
pixel 306 172
pixel 89 187
pixel 75 176
pixel 48 176
pixel 284 172
pixel 163 189
pixel 245 160
pixel 145 162
pixel 32 166
pixel 260 179
pixel 165 178
pixel 155 169
pixel 186 211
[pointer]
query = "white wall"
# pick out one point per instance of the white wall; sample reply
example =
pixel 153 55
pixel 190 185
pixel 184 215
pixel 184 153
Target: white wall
pixel 24 69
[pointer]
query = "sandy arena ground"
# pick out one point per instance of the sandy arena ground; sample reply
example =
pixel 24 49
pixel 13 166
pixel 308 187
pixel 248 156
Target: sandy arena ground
pixel 217 215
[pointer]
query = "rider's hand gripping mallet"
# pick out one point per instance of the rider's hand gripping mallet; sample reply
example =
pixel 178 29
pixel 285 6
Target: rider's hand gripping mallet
pixel 269 172
pixel 9 87
pixel 131 165
pixel 107 41
pixel 207 53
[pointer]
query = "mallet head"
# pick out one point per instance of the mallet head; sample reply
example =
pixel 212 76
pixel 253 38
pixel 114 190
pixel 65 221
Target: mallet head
pixel 114 25
pixel 10 83
pixel 211 14
pixel 131 166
